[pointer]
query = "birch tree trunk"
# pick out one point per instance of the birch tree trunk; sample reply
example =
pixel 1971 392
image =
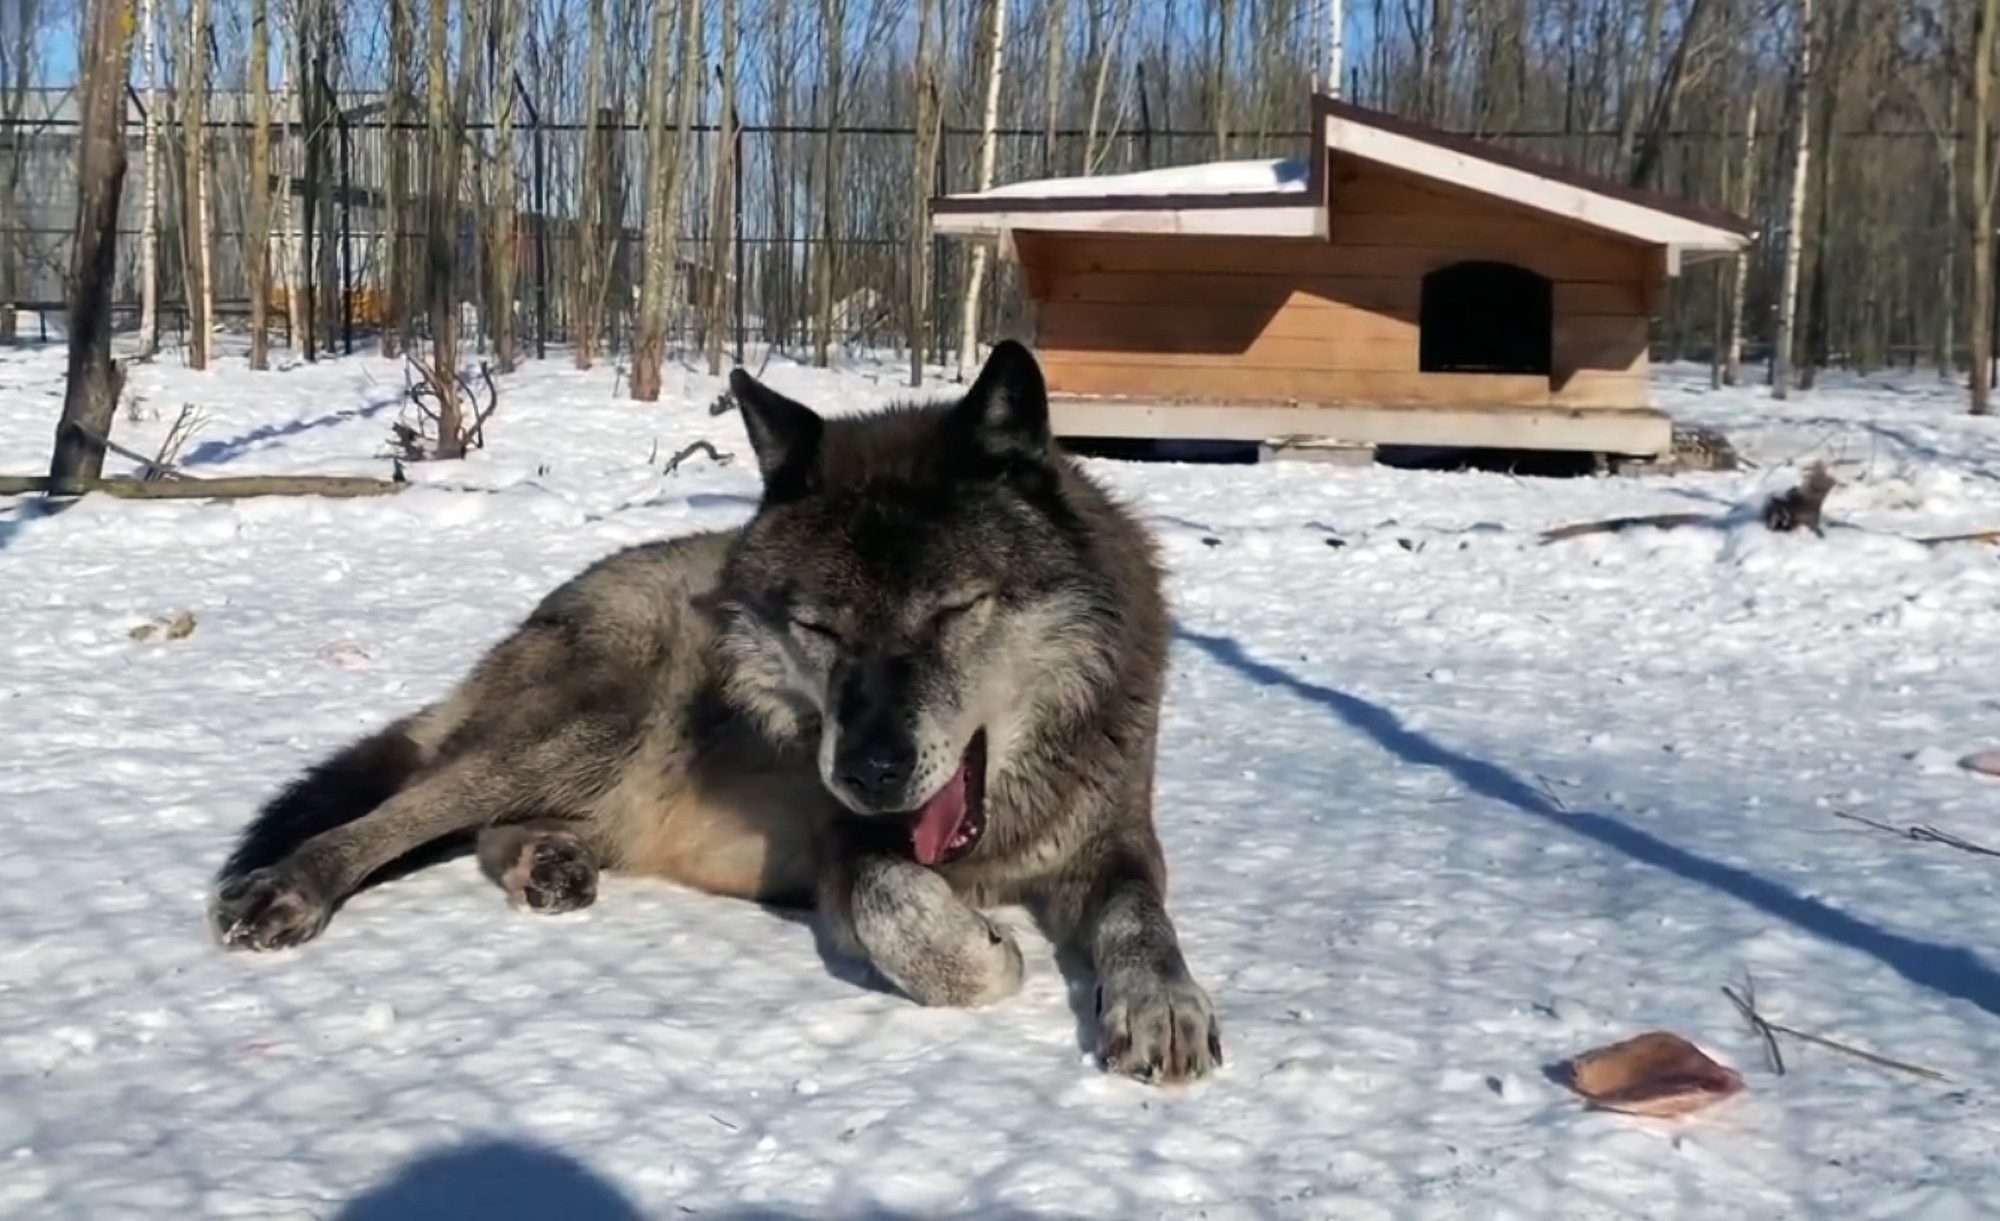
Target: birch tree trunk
pixel 835 12
pixel 587 309
pixel 506 212
pixel 1746 186
pixel 395 222
pixel 1795 207
pixel 90 397
pixel 724 212
pixel 926 104
pixel 257 255
pixel 1336 44
pixel 1985 30
pixel 194 197
pixel 993 44
pixel 149 207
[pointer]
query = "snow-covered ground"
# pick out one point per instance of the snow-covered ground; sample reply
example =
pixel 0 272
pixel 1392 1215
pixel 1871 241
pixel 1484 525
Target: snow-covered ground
pixel 1443 807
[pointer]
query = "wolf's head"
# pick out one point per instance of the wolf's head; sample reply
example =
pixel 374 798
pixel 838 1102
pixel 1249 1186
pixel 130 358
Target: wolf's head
pixel 920 588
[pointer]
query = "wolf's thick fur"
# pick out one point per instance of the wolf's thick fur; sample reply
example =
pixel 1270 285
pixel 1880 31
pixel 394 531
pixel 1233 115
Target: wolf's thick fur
pixel 928 600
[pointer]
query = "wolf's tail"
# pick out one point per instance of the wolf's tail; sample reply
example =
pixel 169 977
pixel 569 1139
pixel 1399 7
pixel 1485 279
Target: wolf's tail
pixel 333 792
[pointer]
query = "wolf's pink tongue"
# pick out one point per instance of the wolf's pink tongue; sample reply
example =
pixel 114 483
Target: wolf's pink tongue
pixel 938 820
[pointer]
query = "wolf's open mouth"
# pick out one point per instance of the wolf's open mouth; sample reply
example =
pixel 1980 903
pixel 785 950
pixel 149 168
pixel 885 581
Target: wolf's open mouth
pixel 948 825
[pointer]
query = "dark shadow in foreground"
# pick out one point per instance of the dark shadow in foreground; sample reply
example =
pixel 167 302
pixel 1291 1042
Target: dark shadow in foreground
pixel 1949 969
pixel 496 1179
pixel 493 1178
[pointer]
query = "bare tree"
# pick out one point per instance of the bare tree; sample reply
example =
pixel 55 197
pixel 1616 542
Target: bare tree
pixel 1732 369
pixel 833 40
pixel 149 206
pixel 395 222
pixel 1104 56
pixel 194 198
pixel 665 159
pixel 1795 207
pixel 506 217
pixel 1986 30
pixel 90 399
pixel 1336 44
pixel 440 226
pixel 993 45
pixel 723 188
pixel 587 307
pixel 257 255
pixel 928 105
pixel 1057 35
pixel 1218 89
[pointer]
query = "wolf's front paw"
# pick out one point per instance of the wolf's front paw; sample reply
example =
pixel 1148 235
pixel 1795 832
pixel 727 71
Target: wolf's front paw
pixel 267 909
pixel 1158 1029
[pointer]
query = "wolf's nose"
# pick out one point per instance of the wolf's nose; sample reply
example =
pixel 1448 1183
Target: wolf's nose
pixel 877 773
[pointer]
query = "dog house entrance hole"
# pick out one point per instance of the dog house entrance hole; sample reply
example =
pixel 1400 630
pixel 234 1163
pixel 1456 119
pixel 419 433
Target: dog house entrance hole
pixel 1485 317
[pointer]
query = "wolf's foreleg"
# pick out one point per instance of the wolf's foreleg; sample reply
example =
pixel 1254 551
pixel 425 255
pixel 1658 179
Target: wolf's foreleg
pixel 1154 1021
pixel 923 938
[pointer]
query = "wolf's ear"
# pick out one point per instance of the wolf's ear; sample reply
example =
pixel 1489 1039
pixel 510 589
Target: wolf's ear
pixel 1006 412
pixel 784 433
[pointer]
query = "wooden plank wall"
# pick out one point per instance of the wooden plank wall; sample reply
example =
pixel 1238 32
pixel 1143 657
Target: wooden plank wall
pixel 1311 321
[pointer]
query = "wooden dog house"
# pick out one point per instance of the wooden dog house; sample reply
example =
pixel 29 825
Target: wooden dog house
pixel 1399 285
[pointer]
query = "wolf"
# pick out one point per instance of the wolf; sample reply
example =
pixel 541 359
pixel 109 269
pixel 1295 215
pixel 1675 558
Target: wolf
pixel 922 680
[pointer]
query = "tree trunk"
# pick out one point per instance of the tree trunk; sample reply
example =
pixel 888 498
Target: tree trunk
pixel 1985 30
pixel 1795 207
pixel 90 398
pixel 149 205
pixel 1746 188
pixel 663 174
pixel 1945 338
pixel 194 194
pixel 778 279
pixel 506 213
pixel 1437 70
pixel 441 228
pixel 724 210
pixel 1104 57
pixel 1637 79
pixel 993 46
pixel 1053 83
pixel 1225 15
pixel 830 192
pixel 1818 327
pixel 587 308
pixel 1336 45
pixel 395 222
pixel 257 254
pixel 928 109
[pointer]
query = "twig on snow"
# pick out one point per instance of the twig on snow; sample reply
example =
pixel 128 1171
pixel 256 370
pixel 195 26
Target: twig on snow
pixel 1746 1005
pixel 1922 833
pixel 1768 1028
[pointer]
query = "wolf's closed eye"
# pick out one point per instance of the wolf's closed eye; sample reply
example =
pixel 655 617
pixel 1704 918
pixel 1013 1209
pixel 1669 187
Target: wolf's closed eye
pixel 814 627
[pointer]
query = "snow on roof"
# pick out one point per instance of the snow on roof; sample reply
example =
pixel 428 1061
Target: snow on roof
pixel 1279 175
pixel 1284 198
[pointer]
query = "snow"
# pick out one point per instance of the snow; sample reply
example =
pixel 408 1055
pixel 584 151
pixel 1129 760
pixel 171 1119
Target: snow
pixel 1442 807
pixel 1207 178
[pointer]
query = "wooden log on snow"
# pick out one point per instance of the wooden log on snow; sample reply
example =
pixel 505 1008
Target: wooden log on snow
pixel 230 488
